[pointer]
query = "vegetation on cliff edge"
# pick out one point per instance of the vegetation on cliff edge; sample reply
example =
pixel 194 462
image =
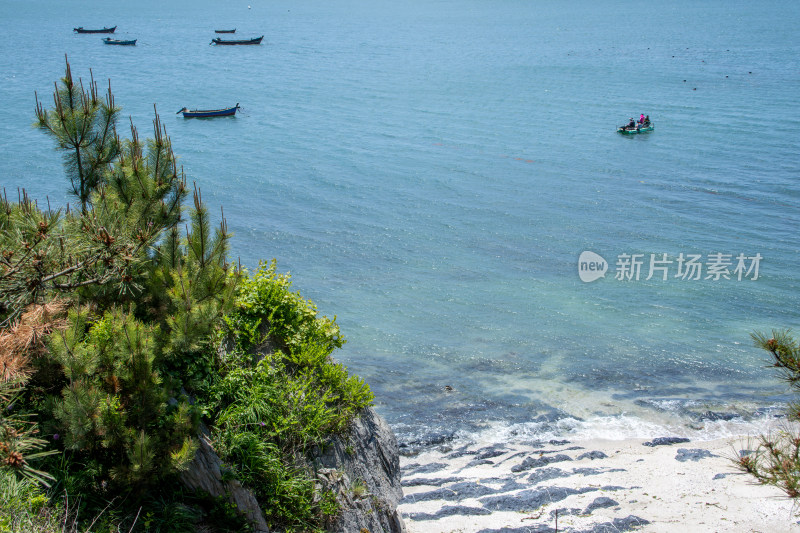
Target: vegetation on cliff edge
pixel 111 317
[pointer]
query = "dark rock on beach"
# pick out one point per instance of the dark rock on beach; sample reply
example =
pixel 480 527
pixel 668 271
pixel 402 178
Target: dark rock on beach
pixel 618 525
pixel 450 510
pixel 455 492
pixel 432 482
pixel 417 468
pixel 665 441
pixel 592 455
pixel 545 474
pixel 527 500
pixel 600 503
pixel 531 462
pixel 478 462
pixel 692 455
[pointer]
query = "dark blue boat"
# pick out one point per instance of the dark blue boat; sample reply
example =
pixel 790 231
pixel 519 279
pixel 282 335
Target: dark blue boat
pixel 109 40
pixel 257 40
pixel 197 113
pixel 104 30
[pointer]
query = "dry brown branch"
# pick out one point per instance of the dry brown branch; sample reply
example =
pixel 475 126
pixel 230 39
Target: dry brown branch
pixel 24 339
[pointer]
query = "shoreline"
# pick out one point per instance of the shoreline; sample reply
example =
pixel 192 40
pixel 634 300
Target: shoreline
pixel 594 485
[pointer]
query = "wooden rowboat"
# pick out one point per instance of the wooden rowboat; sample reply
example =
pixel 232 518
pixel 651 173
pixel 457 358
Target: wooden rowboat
pixel 197 113
pixel 109 40
pixel 257 40
pixel 104 30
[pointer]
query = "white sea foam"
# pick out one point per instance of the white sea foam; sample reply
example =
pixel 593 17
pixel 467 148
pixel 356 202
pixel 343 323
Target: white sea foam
pixel 621 427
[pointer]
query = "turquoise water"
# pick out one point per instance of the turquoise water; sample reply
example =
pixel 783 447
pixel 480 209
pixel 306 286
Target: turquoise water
pixel 430 172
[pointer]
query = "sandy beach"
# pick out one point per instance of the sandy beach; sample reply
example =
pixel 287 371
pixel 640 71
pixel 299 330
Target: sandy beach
pixel 589 486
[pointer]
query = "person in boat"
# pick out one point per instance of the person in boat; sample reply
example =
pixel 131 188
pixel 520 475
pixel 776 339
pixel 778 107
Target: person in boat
pixel 647 121
pixel 641 118
pixel 631 124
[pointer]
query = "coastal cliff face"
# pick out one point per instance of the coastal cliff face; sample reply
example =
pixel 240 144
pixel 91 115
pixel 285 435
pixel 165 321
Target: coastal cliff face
pixel 205 473
pixel 360 465
pixel 363 470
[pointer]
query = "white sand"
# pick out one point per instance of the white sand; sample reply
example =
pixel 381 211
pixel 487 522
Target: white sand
pixel 651 484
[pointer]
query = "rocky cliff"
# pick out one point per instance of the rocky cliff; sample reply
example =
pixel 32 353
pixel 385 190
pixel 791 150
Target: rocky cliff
pixel 361 467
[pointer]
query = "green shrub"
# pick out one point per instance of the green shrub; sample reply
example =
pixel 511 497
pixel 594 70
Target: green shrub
pixel 271 413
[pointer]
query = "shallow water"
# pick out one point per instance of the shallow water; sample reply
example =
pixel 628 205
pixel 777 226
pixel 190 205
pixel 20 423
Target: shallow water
pixel 430 173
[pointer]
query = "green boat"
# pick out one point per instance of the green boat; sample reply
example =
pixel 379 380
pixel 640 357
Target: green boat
pixel 625 130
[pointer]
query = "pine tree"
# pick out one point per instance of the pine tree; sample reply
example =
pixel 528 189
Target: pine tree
pixel 130 194
pixel 776 459
pixel 145 290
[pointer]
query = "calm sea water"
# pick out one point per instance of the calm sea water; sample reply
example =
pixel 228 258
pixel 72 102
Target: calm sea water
pixel 430 172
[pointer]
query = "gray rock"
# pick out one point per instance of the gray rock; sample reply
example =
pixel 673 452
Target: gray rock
pixel 600 503
pixel 592 455
pixel 545 474
pixel 695 454
pixel 368 454
pixel 450 510
pixel 455 492
pixel 665 441
pixel 534 528
pixel 491 452
pixel 430 481
pixel 205 473
pixel 416 468
pixel 618 525
pixel 527 500
pixel 563 511
pixel 530 462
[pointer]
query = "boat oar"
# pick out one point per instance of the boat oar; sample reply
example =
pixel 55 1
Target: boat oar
pixel 181 110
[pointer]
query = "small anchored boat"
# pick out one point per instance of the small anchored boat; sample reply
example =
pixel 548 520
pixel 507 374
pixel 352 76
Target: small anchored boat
pixel 257 40
pixel 198 113
pixel 109 40
pixel 104 30
pixel 225 31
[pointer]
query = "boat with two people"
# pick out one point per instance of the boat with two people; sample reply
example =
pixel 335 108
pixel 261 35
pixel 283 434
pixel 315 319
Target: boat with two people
pixel 208 113
pixel 109 40
pixel 81 29
pixel 217 40
pixel 643 125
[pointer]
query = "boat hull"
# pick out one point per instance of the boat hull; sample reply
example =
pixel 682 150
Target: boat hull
pixel 229 112
pixel 119 42
pixel 257 40
pixel 104 30
pixel 225 31
pixel 625 131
